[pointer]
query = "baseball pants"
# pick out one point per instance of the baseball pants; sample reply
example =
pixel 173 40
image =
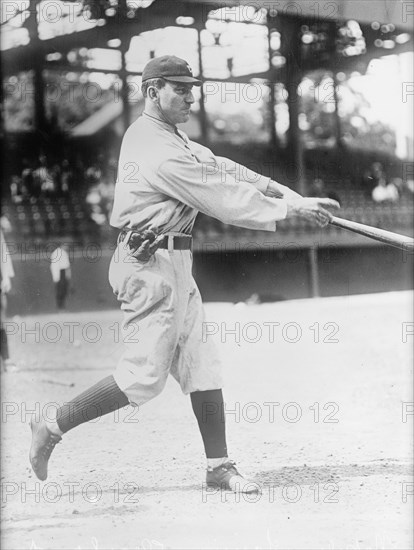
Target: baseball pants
pixel 162 326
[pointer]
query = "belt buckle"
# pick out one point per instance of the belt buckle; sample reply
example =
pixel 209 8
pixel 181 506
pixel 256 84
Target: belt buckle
pixel 170 244
pixel 127 238
pixel 124 237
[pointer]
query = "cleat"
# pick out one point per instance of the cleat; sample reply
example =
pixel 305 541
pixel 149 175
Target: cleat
pixel 226 477
pixel 43 443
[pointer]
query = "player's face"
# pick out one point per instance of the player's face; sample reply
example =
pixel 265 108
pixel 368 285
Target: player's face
pixel 176 99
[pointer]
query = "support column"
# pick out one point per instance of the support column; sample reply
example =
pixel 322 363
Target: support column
pixel 40 121
pixel 123 20
pixel 293 77
pixel 295 144
pixel 2 120
pixel 272 104
pixel 338 128
pixel 126 107
pixel 272 95
pixel 314 271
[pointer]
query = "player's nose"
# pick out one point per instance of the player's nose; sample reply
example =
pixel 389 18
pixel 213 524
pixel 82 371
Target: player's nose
pixel 190 98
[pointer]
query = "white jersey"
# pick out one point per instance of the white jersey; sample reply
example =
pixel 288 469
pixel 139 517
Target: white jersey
pixel 165 179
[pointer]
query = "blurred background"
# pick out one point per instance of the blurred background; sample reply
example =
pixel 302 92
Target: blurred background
pixel 317 95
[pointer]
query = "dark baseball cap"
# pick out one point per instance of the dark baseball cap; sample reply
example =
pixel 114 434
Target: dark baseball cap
pixel 171 68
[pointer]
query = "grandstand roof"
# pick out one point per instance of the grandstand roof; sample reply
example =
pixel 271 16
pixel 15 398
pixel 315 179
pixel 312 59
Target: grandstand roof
pixel 111 115
pixel 98 120
pixel 398 12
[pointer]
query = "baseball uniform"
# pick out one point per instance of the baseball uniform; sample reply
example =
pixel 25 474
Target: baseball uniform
pixel 164 179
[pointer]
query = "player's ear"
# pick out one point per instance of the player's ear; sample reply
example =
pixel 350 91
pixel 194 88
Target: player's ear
pixel 153 93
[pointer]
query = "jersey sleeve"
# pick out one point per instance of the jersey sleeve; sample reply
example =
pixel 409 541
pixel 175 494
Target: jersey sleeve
pixel 240 172
pixel 215 192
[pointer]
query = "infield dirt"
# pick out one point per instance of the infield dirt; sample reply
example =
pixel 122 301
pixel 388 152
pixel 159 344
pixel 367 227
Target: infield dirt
pixel 319 413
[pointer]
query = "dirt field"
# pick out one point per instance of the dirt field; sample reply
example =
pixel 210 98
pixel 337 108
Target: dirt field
pixel 321 418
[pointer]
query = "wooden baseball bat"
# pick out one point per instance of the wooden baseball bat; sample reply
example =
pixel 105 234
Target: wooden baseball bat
pixel 388 237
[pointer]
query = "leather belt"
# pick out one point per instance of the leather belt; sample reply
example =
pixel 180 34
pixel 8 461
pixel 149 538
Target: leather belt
pixel 178 242
pixel 170 242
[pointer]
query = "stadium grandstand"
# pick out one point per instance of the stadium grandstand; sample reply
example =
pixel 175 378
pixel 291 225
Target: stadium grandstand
pixel 315 95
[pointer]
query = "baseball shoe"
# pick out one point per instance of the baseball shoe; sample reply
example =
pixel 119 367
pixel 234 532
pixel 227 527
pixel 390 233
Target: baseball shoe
pixel 227 477
pixel 43 443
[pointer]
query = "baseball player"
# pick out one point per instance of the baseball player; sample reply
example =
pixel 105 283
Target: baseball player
pixel 164 180
pixel 61 274
pixel 6 276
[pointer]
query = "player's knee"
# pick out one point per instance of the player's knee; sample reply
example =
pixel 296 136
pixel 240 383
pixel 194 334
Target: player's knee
pixel 158 385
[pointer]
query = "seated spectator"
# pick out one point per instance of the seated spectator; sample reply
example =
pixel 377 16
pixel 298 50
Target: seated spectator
pixel 66 178
pixel 16 193
pixel 112 170
pixel 93 175
pixel 97 204
pixel 43 177
pixel 94 197
pixel 98 216
pixel 5 224
pixel 384 192
pixel 372 177
pixel 27 178
pixel 405 188
pixel 56 173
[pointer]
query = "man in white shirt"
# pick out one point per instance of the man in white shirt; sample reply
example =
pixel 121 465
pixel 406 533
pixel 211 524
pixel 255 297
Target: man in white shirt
pixel 164 180
pixel 61 274
pixel 384 192
pixel 7 274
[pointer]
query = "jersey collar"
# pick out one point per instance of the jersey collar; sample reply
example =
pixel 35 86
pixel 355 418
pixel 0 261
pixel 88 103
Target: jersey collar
pixel 162 123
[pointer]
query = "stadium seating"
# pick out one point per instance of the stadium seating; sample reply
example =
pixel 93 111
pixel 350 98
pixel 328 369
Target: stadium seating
pixel 43 218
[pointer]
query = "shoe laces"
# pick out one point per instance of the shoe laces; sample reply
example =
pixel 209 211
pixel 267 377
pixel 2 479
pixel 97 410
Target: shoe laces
pixel 227 466
pixel 51 443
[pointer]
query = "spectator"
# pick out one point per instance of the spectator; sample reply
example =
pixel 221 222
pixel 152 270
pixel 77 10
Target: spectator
pixel 405 188
pixel 409 185
pixel 384 192
pixel 66 178
pixel 99 199
pixel 372 177
pixel 56 174
pixel 16 189
pixel 93 175
pixel 112 170
pixel 5 224
pixel 43 178
pixel 61 274
pixel 27 178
